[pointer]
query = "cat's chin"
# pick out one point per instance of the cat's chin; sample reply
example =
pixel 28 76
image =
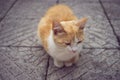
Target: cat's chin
pixel 72 52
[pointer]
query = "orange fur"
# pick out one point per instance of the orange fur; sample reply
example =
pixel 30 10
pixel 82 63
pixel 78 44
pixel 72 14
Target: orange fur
pixel 56 13
pixel 70 27
pixel 52 15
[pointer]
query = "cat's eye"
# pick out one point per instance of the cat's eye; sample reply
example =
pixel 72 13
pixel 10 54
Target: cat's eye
pixel 79 42
pixel 68 43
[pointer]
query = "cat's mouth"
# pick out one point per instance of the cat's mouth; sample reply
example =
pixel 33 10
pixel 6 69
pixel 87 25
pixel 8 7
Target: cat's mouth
pixel 72 52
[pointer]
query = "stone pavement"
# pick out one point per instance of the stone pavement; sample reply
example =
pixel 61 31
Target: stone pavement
pixel 22 58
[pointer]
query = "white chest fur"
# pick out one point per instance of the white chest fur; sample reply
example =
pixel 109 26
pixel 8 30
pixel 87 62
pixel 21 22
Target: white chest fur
pixel 58 53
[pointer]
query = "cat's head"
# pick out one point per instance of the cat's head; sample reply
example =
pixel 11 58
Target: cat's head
pixel 69 34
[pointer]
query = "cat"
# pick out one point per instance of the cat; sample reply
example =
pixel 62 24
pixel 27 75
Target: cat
pixel 61 34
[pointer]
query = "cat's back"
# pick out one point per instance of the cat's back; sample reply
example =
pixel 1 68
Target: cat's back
pixel 60 12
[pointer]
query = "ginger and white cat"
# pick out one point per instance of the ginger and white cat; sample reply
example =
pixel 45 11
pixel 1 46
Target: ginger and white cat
pixel 62 34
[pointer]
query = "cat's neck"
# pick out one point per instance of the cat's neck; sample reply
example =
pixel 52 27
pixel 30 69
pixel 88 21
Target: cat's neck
pixel 51 43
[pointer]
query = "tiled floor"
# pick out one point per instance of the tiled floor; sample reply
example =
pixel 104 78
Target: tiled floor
pixel 22 58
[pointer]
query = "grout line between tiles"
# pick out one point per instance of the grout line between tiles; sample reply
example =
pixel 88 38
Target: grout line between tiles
pixel 8 10
pixel 118 39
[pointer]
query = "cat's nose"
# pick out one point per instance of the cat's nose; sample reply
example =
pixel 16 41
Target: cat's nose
pixel 74 49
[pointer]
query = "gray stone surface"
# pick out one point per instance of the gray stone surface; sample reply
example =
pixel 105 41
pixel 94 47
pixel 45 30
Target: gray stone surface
pixel 112 7
pixel 23 63
pixel 21 58
pixel 33 9
pixel 4 7
pixel 18 32
pixel 80 1
pixel 95 64
pixel 116 25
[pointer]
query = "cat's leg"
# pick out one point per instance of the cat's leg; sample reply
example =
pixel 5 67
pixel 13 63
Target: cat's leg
pixel 77 58
pixel 72 61
pixel 67 64
pixel 58 63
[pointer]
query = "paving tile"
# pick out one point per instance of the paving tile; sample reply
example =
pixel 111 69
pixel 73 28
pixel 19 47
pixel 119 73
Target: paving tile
pixel 4 7
pixel 23 77
pixel 112 8
pixel 30 9
pixel 79 1
pixel 116 26
pixel 110 1
pixel 99 34
pixel 92 10
pixel 23 63
pixel 6 75
pixel 89 67
pixel 19 32
pixel 27 61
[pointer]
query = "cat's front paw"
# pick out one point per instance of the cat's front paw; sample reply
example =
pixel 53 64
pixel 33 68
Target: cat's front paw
pixel 68 64
pixel 77 58
pixel 58 64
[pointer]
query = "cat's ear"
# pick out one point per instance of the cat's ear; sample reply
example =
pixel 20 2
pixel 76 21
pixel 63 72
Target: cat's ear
pixel 57 28
pixel 81 23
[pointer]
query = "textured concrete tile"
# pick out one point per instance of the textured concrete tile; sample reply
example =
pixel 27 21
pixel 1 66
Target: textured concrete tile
pixel 23 63
pixel 4 7
pixel 23 77
pixel 110 1
pixel 89 67
pixel 6 75
pixel 92 10
pixel 116 25
pixel 101 76
pixel 19 32
pixel 112 8
pixel 30 9
pixel 99 34
pixel 79 1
